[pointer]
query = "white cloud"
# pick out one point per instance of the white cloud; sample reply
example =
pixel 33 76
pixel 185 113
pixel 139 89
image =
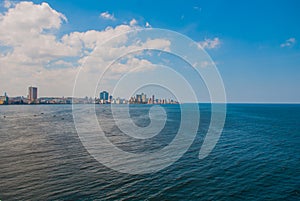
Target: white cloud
pixel 133 22
pixel 92 38
pixel 210 43
pixel 289 42
pixel 37 56
pixel 158 43
pixel 7 4
pixel 133 65
pixel 62 64
pixel 28 29
pixel 106 15
pixel 147 25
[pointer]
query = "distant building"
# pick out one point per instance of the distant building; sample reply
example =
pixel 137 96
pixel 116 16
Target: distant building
pixel 132 100
pixel 104 95
pixel 32 94
pixel 144 98
pixel 4 99
pixel 18 100
pixel 138 98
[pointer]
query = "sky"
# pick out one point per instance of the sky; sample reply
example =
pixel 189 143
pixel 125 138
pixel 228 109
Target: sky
pixel 255 46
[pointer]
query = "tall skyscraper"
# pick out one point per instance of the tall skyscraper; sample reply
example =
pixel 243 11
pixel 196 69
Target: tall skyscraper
pixel 32 94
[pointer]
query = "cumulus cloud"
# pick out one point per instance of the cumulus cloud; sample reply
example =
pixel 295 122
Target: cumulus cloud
pixel 106 15
pixel 210 43
pixel 27 28
pixel 133 22
pixel 37 56
pixel 289 42
pixel 133 64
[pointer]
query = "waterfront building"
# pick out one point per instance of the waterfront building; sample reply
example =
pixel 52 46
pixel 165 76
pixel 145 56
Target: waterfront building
pixel 139 98
pixel 4 99
pixel 18 100
pixel 144 98
pixel 32 94
pixel 104 95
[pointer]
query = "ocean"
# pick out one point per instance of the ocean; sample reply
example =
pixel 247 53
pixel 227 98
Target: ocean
pixel 256 158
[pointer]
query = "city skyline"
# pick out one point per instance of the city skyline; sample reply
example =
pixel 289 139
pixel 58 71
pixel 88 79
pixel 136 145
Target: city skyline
pixel 103 98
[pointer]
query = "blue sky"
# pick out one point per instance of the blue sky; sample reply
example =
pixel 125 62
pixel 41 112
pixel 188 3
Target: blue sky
pixel 258 50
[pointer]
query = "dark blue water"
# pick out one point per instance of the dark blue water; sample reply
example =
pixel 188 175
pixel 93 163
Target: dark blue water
pixel 256 158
